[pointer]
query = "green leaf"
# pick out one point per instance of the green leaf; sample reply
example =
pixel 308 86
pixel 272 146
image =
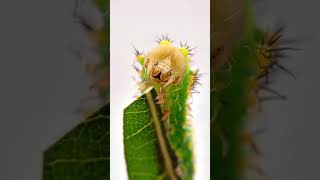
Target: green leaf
pixel 83 153
pixel 147 153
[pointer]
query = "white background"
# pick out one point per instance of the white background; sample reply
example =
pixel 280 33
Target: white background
pixel 140 22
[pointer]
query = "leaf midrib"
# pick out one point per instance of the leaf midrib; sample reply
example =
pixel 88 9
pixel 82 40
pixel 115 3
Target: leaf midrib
pixel 161 137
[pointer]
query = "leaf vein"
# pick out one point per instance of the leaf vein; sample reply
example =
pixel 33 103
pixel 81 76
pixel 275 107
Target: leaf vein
pixel 137 132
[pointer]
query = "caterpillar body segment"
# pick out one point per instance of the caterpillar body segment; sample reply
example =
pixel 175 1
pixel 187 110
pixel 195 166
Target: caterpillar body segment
pixel 241 75
pixel 166 67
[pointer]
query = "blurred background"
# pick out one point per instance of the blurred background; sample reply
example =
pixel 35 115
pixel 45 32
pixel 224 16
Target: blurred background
pixel 140 22
pixel 42 81
pixel 290 146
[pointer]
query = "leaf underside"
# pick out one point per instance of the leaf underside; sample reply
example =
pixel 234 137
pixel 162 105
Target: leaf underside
pixel 83 153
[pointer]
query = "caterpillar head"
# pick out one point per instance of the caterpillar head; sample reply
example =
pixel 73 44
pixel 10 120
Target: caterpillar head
pixel 165 64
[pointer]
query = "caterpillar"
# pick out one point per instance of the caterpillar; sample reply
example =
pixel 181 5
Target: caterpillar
pixel 167 69
pixel 243 64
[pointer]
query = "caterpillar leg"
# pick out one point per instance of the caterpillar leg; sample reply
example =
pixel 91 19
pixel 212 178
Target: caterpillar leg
pixel 178 171
pixel 165 116
pixel 160 97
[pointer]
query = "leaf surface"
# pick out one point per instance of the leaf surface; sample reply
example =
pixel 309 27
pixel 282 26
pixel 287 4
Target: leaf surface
pixel 147 153
pixel 83 153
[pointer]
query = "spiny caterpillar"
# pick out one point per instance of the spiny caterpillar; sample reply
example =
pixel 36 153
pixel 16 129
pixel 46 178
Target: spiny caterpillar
pixel 269 51
pixel 242 67
pixel 166 68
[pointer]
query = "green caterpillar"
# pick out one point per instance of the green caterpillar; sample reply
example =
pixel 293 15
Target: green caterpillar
pixel 166 68
pixel 243 57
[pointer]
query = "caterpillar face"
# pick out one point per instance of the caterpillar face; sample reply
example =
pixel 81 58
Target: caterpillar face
pixel 165 64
